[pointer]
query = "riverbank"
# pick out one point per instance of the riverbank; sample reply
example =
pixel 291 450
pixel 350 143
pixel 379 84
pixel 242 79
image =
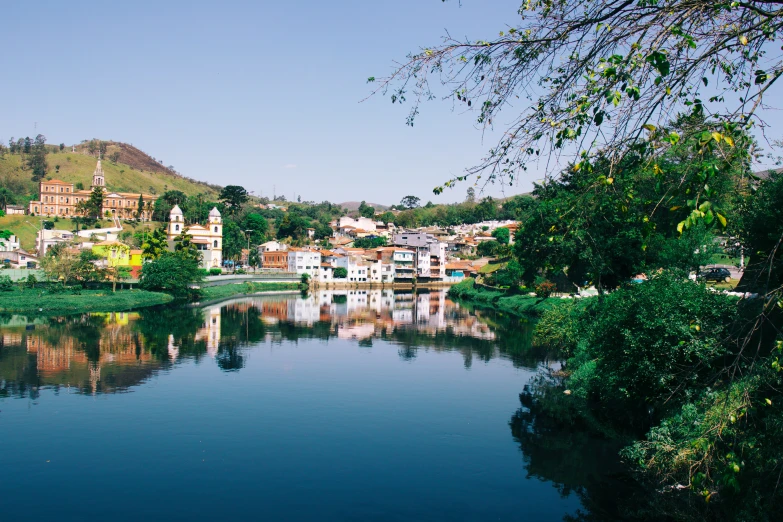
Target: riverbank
pixel 215 293
pixel 519 305
pixel 43 301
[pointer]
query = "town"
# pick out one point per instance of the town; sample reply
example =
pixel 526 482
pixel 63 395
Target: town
pixel 356 249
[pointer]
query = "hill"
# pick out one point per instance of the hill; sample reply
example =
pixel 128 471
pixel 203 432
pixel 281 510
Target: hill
pixel 354 205
pixel 129 170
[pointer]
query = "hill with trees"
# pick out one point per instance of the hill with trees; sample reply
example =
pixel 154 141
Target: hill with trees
pixel 127 168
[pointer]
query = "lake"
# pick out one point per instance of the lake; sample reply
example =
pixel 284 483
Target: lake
pixel 353 405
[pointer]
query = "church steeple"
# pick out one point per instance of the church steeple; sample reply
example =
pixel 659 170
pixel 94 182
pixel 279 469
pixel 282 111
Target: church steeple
pixel 98 179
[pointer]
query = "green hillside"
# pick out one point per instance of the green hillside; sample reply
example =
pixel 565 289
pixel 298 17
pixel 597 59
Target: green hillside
pixel 79 166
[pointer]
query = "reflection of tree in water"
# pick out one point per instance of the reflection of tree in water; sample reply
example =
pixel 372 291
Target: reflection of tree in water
pixel 558 447
pixel 158 326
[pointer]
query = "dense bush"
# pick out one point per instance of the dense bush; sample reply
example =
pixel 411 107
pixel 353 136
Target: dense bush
pixel 647 346
pixel 6 285
pixel 173 274
pixel 215 271
pixel 545 289
pixel 340 272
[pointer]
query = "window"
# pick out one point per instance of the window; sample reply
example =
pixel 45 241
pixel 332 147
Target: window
pixel 176 228
pixel 67 189
pixel 61 189
pixel 216 230
pixel 215 244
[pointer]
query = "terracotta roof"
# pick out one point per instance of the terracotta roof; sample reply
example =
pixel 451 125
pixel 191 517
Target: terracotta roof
pixel 56 182
pixel 136 251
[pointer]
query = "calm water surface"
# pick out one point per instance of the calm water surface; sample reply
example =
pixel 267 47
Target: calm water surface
pixel 363 405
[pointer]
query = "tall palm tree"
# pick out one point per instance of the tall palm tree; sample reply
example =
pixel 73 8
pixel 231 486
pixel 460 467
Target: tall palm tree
pixel 6 198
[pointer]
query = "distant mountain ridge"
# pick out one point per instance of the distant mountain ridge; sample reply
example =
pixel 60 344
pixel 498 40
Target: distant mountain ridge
pixel 354 205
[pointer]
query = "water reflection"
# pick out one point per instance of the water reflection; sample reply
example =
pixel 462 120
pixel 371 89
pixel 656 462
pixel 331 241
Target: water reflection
pixel 112 352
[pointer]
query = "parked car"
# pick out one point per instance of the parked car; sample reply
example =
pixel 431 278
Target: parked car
pixel 715 274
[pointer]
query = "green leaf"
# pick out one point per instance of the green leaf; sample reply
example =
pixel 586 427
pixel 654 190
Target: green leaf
pixel 721 219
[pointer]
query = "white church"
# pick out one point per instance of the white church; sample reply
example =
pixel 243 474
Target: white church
pixel 208 239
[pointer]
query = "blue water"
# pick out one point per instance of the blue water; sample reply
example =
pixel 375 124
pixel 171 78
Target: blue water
pixel 304 429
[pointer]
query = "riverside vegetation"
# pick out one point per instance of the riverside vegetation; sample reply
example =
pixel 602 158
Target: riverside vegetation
pixel 658 174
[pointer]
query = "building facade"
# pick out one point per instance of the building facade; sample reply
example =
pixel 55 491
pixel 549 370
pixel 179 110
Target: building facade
pixel 207 238
pixel 58 198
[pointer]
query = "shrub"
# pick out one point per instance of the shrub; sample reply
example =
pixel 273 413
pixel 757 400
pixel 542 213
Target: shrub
pixel 215 271
pixel 340 272
pixel 545 289
pixel 560 327
pixel 651 345
pixel 305 279
pixel 6 285
pixel 240 271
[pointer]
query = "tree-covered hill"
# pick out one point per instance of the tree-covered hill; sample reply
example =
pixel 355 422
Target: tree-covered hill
pixel 127 169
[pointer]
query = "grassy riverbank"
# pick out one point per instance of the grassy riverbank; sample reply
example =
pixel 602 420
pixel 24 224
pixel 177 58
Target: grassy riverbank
pixel 212 293
pixel 513 304
pixel 43 301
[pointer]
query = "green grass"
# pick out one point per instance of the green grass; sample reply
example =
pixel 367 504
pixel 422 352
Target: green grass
pixel 41 301
pixel 489 268
pixel 221 292
pixel 25 227
pixel 725 259
pixel 518 305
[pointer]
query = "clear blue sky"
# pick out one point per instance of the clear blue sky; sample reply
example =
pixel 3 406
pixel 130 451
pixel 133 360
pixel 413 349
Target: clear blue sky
pixel 259 94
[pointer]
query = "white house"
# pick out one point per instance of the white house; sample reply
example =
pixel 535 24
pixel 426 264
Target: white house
pixel 430 253
pixel 362 223
pixel 10 244
pixel 46 239
pixel 304 262
pixel 272 246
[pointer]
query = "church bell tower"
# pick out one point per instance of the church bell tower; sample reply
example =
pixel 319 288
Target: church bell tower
pixel 98 180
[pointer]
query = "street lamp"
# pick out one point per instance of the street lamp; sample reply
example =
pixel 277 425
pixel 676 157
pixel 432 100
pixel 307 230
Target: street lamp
pixel 247 232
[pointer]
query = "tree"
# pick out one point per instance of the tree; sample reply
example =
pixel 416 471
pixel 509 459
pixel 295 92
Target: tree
pixel 258 226
pixel 387 217
pixel 102 147
pixel 486 210
pixel 234 197
pixel 340 272
pixel 254 258
pixel 172 274
pixel 184 247
pixel 600 76
pixel 366 210
pixel 140 208
pixel 6 198
pixel 233 240
pixel 293 226
pixel 410 202
pixel 92 147
pixel 62 146
pixel 470 196
pixel 370 242
pixel 487 248
pixel 155 244
pixel 502 234
pixel 36 161
pixel 94 205
pixel 114 157
pixel 60 263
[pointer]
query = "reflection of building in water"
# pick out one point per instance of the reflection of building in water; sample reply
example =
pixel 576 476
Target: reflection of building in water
pixel 356 331
pixel 361 313
pixel 210 330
